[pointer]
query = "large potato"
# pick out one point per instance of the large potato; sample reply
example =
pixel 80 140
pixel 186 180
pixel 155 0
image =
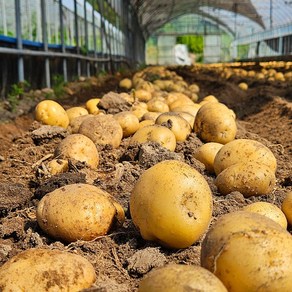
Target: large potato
pixel 243 150
pixel 177 124
pixel 180 278
pixel 248 178
pixel 128 121
pixel 287 207
pixel 171 203
pixel 249 252
pixel 155 133
pixel 36 270
pixel 49 112
pixel 78 147
pixel 78 211
pixel 215 122
pixel 102 130
pixel 269 210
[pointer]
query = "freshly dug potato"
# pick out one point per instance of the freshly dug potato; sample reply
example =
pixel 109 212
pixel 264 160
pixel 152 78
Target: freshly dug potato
pixel 76 111
pixel 76 122
pixel 102 130
pixel 187 116
pixel 78 211
pixel 126 83
pixel 49 112
pixel 206 154
pixel 215 123
pixel 171 203
pixel 39 269
pixel 151 116
pixel 155 133
pixel 78 147
pixel 56 166
pixel 248 178
pixel 243 86
pixel 128 121
pixel 178 125
pixel 246 150
pixel 287 207
pixel 142 95
pixel 194 88
pixel 269 210
pixel 92 105
pixel 157 105
pixel 189 108
pixel 145 123
pixel 249 252
pixel 180 278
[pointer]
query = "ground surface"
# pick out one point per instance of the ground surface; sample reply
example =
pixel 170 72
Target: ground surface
pixel 264 113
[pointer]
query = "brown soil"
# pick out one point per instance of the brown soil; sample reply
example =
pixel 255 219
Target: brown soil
pixel 121 258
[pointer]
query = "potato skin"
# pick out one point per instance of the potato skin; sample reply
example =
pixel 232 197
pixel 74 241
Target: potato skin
pixel 77 211
pixel 179 278
pixel 214 122
pixel 171 203
pixel 46 270
pixel 128 121
pixel 287 207
pixel 240 150
pixel 250 179
pixel 249 252
pixel 78 147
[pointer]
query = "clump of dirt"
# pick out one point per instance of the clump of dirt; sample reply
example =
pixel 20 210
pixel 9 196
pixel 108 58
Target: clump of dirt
pixel 122 257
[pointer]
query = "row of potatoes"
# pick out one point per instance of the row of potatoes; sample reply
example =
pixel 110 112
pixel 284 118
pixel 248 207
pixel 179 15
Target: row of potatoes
pixel 171 203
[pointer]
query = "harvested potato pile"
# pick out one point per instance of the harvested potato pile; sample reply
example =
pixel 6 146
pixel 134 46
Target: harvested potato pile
pixel 159 181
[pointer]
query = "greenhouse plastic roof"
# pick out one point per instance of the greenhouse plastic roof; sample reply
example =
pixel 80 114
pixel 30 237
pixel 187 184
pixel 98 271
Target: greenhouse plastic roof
pixel 153 14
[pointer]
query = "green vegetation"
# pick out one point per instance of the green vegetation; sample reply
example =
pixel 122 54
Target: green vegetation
pixel 15 94
pixel 242 51
pixel 195 44
pixel 58 85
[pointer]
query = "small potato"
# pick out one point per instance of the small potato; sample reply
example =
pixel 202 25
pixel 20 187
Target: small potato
pixel 102 130
pixel 76 111
pixel 246 150
pixel 179 278
pixel 142 95
pixel 243 86
pixel 49 112
pixel 76 122
pixel 78 211
pixel 215 123
pixel 171 203
pixel 248 252
pixel 194 88
pixel 39 269
pixel 248 178
pixel 178 125
pixel 151 116
pixel 269 210
pixel 206 154
pixel 78 147
pixel 92 105
pixel 126 83
pixel 128 121
pixel 155 133
pixel 56 166
pixel 156 105
pixel 287 207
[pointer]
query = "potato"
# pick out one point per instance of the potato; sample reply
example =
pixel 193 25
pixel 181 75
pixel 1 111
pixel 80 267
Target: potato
pixel 189 108
pixel 243 86
pixel 178 125
pixel 246 150
pixel 155 133
pixel 142 95
pixel 194 88
pixel 92 105
pixel 51 113
pixel 171 203
pixel 156 105
pixel 78 147
pixel 76 111
pixel 56 166
pixel 76 122
pixel 206 154
pixel 215 123
pixel 39 269
pixel 145 123
pixel 269 210
pixel 151 116
pixel 126 83
pixel 179 278
pixel 248 178
pixel 102 130
pixel 249 252
pixel 128 121
pixel 78 212
pixel 187 116
pixel 287 207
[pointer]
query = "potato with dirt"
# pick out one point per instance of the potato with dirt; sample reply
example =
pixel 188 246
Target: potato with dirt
pixel 171 204
pixel 39 269
pixel 179 278
pixel 78 147
pixel 249 252
pixel 128 121
pixel 76 111
pixel 102 130
pixel 287 207
pixel 78 212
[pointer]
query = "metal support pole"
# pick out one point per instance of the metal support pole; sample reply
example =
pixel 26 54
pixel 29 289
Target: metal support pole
pixel 77 38
pixel 94 38
pixel 63 46
pixel 45 42
pixel 271 14
pixel 20 65
pixel 86 39
pixel 281 51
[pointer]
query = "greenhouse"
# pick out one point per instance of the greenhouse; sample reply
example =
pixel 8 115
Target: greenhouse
pixel 145 146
